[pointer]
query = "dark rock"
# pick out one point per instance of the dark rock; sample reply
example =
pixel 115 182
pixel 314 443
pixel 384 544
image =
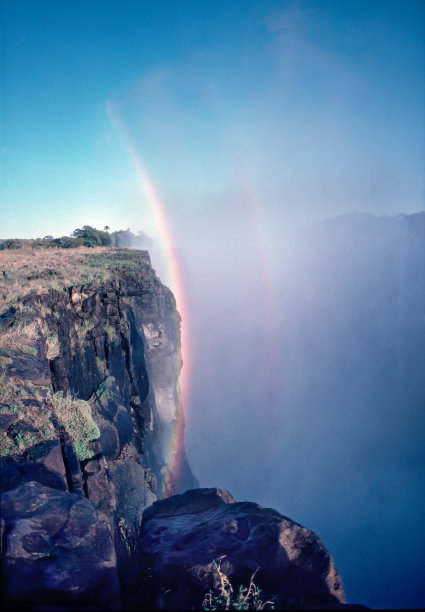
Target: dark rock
pixel 6 420
pixel 124 426
pixel 108 439
pixel 107 398
pixel 22 427
pixel 17 470
pixel 184 535
pixel 72 465
pixel 99 488
pixel 56 552
pixel 42 463
pixel 59 374
pixel 136 347
pixel 196 500
pixel 113 419
pixel 49 454
pixel 28 367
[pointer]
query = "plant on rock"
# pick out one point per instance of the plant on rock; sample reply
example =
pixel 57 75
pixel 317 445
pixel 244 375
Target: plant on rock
pixel 224 597
pixel 75 417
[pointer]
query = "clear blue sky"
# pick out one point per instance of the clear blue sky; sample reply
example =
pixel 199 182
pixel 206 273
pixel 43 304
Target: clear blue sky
pixel 318 105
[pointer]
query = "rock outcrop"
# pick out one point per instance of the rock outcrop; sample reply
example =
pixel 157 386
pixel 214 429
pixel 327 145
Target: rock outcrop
pixel 186 538
pixel 56 553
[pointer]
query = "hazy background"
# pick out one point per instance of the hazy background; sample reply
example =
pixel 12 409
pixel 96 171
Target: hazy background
pixel 256 121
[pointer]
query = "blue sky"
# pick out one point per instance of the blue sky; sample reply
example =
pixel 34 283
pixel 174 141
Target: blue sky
pixel 319 105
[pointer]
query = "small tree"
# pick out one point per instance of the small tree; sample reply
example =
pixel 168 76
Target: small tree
pixel 12 243
pixel 92 237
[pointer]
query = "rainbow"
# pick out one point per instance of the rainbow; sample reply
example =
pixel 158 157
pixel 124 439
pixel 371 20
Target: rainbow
pixel 175 443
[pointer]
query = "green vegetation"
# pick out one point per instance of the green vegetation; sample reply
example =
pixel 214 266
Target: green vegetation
pixel 83 329
pixel 30 404
pixel 92 237
pixel 224 597
pixel 111 333
pixel 106 388
pixel 75 417
pixel 101 366
pixel 11 243
pixel 25 402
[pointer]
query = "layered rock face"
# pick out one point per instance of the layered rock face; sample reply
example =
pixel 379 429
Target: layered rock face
pixel 187 538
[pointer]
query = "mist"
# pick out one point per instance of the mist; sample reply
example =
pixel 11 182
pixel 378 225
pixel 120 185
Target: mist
pixel 305 293
pixel 307 395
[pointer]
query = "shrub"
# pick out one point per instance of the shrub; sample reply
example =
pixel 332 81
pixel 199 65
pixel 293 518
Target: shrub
pixel 224 597
pixel 75 417
pixel 11 243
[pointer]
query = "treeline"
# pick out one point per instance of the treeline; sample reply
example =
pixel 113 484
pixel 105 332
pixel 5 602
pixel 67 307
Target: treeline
pixel 86 236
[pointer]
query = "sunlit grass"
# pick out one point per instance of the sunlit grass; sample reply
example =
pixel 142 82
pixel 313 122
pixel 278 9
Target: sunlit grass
pixel 27 271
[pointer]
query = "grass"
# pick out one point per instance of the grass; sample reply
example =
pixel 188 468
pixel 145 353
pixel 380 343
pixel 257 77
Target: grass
pixel 24 401
pixel 101 366
pixel 20 336
pixel 39 271
pixel 35 406
pixel 53 347
pixel 83 329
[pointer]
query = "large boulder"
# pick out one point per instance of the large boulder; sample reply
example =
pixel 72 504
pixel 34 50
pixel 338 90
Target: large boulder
pixel 56 553
pixel 186 538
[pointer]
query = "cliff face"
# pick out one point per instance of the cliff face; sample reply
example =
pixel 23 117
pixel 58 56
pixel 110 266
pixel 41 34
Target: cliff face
pixel 90 385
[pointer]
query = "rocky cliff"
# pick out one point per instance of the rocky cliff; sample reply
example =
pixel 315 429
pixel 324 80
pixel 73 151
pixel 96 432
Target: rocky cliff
pixel 89 400
pixel 90 359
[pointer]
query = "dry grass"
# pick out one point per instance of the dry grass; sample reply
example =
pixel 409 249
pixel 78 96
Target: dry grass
pixel 24 401
pixel 27 271
pixel 21 336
